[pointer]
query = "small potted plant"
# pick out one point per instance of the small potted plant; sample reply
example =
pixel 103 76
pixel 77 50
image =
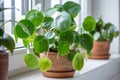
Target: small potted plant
pixel 8 42
pixel 103 34
pixel 52 34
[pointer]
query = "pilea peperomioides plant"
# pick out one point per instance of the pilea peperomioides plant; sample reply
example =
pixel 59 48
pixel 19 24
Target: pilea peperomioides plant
pixel 54 30
pixel 104 31
pixel 103 35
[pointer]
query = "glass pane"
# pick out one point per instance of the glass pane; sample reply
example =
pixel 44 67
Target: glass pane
pixel 7 16
pixel 18 14
pixel 53 2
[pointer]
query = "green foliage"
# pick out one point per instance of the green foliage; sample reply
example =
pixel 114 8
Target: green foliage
pixel 47 22
pixel 48 31
pixel 63 21
pixel 104 31
pixel 5 39
pixel 45 64
pixel 67 36
pixel 40 44
pixel 78 61
pixel 71 56
pixel 89 23
pixel 63 48
pixel 72 8
pixel 35 17
pixel 49 12
pixel 8 42
pixel 24 31
pixel 85 43
pixel 31 61
pixel 59 7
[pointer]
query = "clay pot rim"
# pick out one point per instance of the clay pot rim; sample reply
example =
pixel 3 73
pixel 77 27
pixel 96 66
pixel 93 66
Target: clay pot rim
pixel 103 41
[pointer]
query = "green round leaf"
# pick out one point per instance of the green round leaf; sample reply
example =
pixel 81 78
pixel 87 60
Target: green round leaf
pixel 24 28
pixel 71 56
pixel 40 44
pixel 96 35
pixel 67 36
pixel 50 11
pixel 35 17
pixel 63 48
pixel 89 23
pixel 104 34
pixel 78 61
pixel 59 7
pixel 86 42
pixel 47 22
pixel 31 61
pixel 8 42
pixel 45 64
pixel 63 21
pixel 116 33
pixel 72 8
pixel 107 26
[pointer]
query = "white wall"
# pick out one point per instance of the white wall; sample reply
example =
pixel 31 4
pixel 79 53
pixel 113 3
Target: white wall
pixel 109 10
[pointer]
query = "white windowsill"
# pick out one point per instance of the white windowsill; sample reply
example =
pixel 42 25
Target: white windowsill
pixel 93 70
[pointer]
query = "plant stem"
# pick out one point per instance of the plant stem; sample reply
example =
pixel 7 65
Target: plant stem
pixel 47 53
pixel 28 48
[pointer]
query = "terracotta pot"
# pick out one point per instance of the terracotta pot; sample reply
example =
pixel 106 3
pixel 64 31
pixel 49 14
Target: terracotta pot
pixel 61 67
pixel 100 50
pixel 3 65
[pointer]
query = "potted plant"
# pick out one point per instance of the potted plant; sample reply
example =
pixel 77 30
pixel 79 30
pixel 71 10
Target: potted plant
pixel 8 42
pixel 103 34
pixel 52 34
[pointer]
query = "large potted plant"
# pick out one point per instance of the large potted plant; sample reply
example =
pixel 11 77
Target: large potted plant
pixel 6 42
pixel 52 34
pixel 103 34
